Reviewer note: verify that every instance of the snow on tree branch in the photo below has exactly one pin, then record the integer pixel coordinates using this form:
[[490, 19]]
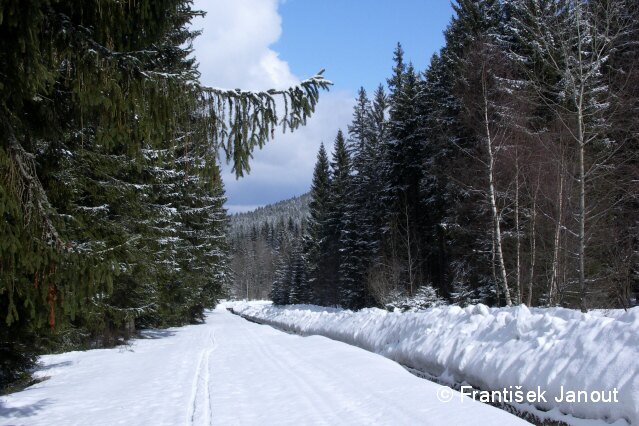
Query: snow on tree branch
[[238, 120]]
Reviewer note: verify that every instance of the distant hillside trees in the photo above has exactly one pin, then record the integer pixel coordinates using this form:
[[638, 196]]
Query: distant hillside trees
[[262, 243]]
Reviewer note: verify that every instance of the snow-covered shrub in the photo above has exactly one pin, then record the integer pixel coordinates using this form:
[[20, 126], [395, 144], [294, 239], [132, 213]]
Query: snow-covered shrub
[[425, 297]]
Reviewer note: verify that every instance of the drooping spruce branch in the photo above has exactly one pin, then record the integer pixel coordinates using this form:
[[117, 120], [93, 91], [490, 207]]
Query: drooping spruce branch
[[21, 178], [86, 88], [239, 121]]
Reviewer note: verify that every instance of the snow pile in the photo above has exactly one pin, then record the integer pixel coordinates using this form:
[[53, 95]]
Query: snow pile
[[557, 350]]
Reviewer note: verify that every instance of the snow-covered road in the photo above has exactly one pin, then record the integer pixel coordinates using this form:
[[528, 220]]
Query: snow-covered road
[[233, 372]]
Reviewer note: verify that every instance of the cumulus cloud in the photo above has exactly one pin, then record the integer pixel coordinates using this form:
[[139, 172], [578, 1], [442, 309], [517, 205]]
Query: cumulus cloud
[[285, 166], [234, 52]]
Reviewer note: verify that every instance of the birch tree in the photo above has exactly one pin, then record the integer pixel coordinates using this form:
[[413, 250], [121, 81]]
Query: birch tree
[[574, 39], [486, 113]]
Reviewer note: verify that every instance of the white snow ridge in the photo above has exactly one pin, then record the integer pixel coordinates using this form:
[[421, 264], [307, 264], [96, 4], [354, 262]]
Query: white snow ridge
[[553, 350]]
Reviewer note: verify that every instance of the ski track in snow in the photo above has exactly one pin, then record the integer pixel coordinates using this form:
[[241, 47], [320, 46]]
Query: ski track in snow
[[200, 413], [233, 372]]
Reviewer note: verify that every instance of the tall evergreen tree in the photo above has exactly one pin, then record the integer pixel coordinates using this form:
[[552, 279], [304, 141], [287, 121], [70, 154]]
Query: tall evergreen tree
[[337, 201], [366, 211], [280, 292], [356, 236], [403, 153], [456, 217], [316, 238], [88, 88], [300, 291]]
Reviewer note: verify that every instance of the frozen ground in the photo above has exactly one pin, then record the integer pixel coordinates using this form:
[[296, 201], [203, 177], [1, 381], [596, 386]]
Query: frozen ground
[[233, 372], [556, 350]]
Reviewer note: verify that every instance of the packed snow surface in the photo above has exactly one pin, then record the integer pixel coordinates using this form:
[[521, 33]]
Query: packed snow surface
[[556, 350], [233, 372]]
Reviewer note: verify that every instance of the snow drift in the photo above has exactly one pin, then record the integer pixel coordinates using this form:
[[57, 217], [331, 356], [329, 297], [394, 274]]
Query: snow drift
[[493, 348]]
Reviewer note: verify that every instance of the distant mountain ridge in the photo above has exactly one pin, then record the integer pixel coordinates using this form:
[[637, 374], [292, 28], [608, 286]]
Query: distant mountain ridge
[[296, 208]]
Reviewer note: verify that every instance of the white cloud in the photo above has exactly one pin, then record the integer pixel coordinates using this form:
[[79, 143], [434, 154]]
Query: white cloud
[[234, 52], [284, 167]]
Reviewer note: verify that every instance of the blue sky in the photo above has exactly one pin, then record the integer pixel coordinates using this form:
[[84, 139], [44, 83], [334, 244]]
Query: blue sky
[[259, 44], [354, 40]]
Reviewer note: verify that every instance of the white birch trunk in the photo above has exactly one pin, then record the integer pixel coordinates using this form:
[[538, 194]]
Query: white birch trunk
[[493, 196]]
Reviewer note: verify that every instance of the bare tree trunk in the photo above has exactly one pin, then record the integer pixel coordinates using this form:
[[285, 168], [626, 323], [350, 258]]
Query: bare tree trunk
[[533, 245], [518, 287], [493, 263], [395, 259], [579, 51], [493, 197], [409, 252], [533, 255], [555, 257], [582, 175], [582, 219]]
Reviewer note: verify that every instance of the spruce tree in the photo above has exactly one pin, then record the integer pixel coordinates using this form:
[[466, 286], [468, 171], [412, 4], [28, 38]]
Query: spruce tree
[[402, 166], [281, 290], [316, 238], [89, 88], [300, 292], [358, 237], [373, 156], [438, 187], [455, 217], [335, 224]]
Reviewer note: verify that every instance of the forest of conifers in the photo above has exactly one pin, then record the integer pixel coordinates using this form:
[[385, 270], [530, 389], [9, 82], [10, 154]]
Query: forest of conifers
[[506, 172], [111, 204]]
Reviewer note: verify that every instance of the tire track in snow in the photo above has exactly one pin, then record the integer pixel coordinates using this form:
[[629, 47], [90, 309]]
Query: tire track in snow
[[305, 376], [325, 404], [340, 396], [319, 415], [200, 412]]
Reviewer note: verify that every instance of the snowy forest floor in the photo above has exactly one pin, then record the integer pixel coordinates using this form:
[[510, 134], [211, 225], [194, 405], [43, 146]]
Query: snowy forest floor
[[231, 371]]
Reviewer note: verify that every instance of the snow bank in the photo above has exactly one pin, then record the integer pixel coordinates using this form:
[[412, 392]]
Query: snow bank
[[493, 349]]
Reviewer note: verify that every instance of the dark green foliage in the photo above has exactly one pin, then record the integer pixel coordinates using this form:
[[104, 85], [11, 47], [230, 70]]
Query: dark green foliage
[[316, 238], [453, 183], [337, 204], [18, 351], [300, 288], [281, 290], [111, 202], [402, 165], [361, 234], [471, 186], [291, 285]]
